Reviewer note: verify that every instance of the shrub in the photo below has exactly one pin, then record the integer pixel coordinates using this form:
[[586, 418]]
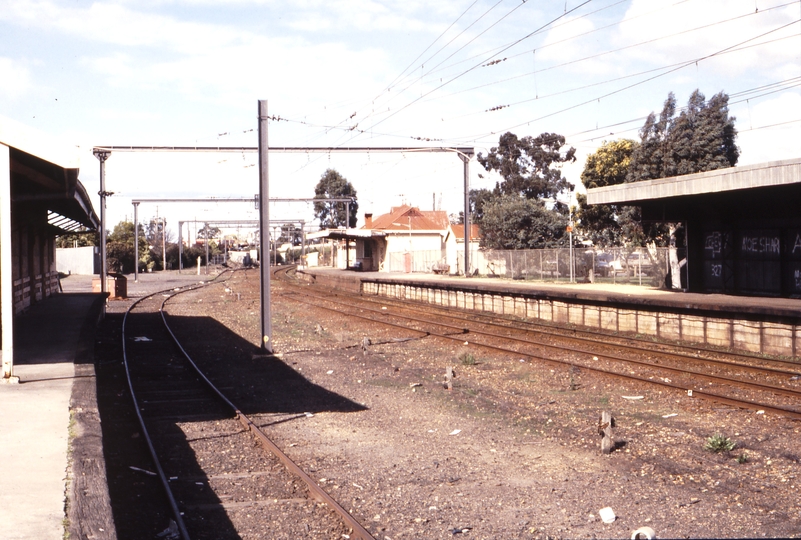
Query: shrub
[[719, 443]]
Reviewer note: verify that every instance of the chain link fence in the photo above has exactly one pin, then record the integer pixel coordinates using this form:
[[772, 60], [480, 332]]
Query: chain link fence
[[642, 266]]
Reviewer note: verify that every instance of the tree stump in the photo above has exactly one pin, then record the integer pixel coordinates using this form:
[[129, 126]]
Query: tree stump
[[605, 425]]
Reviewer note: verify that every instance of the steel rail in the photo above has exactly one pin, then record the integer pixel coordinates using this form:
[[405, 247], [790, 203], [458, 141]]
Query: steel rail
[[547, 329], [178, 518], [521, 325], [716, 378], [691, 392], [316, 491]]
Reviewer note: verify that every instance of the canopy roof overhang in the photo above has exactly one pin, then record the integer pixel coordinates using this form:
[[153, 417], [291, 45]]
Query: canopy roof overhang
[[44, 179], [759, 191]]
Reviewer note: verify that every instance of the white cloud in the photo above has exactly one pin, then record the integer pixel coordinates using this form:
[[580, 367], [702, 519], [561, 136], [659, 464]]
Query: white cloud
[[118, 25], [15, 79], [725, 23], [767, 131]]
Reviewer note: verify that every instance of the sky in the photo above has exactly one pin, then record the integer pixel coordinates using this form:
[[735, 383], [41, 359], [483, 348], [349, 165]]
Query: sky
[[368, 73]]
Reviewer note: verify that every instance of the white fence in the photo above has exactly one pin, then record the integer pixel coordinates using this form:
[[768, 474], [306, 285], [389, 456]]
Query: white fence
[[414, 261]]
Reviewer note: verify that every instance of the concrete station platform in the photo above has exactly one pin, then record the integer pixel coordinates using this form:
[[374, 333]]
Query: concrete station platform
[[54, 400], [600, 292], [757, 324]]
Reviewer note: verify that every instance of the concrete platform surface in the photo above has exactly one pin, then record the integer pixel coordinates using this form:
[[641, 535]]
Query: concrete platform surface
[[35, 415], [50, 339]]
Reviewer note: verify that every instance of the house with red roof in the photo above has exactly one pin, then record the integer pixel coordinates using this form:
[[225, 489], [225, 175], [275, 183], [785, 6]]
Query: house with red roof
[[406, 239]]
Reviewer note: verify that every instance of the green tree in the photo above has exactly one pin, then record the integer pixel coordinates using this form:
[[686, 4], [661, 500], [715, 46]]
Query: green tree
[[514, 222], [120, 248], [701, 138], [477, 199], [333, 185], [208, 232], [529, 166], [608, 166], [514, 214]]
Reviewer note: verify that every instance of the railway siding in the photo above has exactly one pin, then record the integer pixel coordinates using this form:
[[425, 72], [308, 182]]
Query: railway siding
[[763, 325]]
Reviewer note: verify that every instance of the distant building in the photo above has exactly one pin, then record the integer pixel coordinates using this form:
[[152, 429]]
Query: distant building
[[454, 246], [406, 239]]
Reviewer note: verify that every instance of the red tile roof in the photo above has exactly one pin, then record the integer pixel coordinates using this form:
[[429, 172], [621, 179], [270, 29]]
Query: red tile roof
[[458, 231], [400, 218]]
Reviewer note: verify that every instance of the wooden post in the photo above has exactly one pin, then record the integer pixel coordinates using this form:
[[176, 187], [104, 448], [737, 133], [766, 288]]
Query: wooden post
[[605, 425], [449, 375]]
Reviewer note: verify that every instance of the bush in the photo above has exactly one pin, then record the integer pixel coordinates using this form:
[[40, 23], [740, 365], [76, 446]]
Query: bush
[[719, 443]]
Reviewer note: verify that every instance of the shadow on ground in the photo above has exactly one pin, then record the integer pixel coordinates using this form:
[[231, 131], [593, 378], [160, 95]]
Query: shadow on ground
[[253, 382]]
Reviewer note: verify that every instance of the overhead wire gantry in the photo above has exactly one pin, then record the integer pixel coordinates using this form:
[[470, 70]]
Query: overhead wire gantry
[[263, 149]]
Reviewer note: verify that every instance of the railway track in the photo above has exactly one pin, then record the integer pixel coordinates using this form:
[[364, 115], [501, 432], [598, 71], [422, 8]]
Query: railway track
[[222, 475], [735, 379]]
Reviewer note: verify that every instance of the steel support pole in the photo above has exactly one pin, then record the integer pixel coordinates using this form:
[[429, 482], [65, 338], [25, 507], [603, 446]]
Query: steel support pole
[[303, 244], [163, 244], [6, 264], [206, 226], [180, 246], [264, 224], [466, 161], [136, 241], [102, 156]]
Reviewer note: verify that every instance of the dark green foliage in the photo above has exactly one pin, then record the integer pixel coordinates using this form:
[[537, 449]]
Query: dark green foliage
[[120, 247], [701, 138], [608, 166], [514, 222], [526, 165], [514, 215], [478, 198], [208, 232], [189, 256], [333, 185]]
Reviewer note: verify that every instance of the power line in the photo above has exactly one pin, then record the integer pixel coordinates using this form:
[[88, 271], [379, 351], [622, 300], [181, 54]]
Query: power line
[[611, 51], [622, 77], [480, 63], [633, 85]]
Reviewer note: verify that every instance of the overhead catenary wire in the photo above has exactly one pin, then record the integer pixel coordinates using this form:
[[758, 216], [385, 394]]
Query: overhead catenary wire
[[630, 86], [612, 51], [399, 134], [479, 64]]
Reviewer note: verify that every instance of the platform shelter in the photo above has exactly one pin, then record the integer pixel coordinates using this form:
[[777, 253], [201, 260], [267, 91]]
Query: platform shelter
[[40, 198], [742, 224]]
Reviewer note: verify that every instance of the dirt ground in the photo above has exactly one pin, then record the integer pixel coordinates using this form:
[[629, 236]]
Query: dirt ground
[[513, 450]]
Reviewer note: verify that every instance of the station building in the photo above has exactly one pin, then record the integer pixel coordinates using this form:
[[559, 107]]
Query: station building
[[742, 224], [41, 197]]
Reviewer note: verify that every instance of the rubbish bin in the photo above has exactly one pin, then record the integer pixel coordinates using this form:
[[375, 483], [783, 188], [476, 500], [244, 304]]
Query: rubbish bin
[[116, 285]]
